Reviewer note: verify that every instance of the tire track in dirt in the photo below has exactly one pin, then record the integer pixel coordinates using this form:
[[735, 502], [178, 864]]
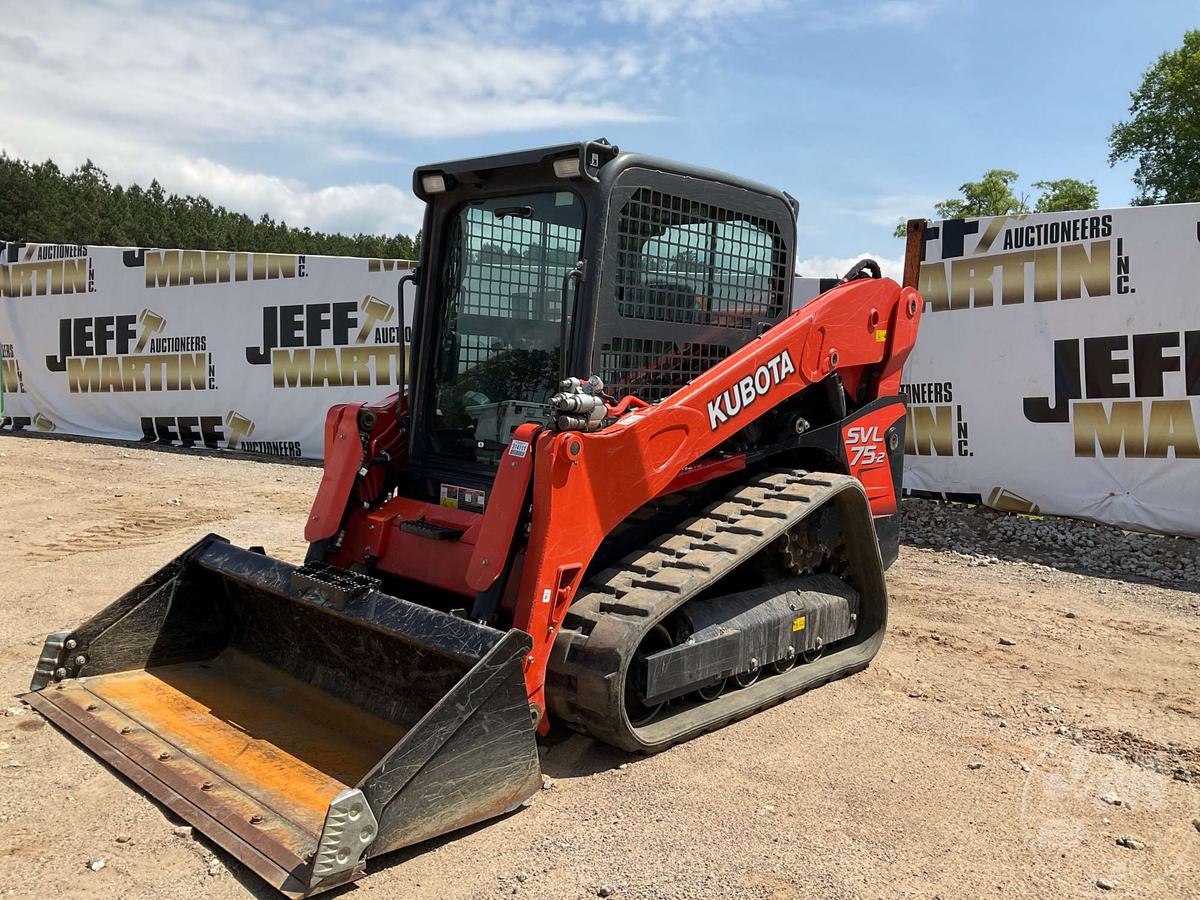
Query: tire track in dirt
[[125, 529], [1180, 762]]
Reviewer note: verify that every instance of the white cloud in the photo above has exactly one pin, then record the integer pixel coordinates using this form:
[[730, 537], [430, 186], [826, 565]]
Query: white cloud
[[906, 12], [837, 266], [902, 13], [371, 208], [215, 74], [891, 208], [660, 12], [815, 14], [180, 92], [160, 91]]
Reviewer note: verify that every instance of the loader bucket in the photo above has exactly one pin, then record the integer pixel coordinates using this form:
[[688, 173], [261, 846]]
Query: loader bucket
[[301, 718]]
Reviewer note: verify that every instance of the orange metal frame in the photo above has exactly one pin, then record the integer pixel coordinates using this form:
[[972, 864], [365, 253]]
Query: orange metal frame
[[581, 486]]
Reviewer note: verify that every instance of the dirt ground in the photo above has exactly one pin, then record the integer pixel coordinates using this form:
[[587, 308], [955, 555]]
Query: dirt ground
[[958, 765]]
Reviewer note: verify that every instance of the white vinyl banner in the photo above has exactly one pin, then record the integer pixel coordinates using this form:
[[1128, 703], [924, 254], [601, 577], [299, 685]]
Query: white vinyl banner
[[1057, 368], [195, 348]]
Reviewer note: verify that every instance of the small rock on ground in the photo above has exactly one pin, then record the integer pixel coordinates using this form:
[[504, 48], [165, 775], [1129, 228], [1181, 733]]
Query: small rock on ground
[[979, 534]]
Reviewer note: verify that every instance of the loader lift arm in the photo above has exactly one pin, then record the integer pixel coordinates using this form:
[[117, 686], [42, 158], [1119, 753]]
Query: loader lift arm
[[594, 481]]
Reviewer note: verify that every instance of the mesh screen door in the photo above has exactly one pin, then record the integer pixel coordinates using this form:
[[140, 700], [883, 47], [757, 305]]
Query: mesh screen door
[[501, 287], [693, 278]]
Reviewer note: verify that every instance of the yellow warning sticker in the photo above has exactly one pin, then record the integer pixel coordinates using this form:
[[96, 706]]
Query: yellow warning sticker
[[880, 335], [798, 623], [455, 497]]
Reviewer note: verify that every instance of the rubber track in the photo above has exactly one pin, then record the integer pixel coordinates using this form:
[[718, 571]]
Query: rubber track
[[617, 607]]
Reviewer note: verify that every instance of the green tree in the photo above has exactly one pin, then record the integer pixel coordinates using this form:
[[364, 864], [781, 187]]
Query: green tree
[[1064, 194], [40, 203], [1163, 132], [992, 195]]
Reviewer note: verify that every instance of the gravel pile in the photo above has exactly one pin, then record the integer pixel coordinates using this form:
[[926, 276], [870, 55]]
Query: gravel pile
[[1070, 544]]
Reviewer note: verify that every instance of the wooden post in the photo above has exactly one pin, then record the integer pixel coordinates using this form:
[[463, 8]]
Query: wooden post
[[913, 251]]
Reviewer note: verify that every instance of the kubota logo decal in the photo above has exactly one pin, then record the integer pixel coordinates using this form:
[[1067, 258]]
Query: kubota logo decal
[[733, 400]]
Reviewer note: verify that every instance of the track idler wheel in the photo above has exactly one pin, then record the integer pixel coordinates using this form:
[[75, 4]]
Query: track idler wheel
[[783, 665], [640, 712], [747, 678], [817, 651], [713, 691]]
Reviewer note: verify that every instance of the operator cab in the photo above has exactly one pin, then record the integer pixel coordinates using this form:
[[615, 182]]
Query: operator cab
[[664, 269]]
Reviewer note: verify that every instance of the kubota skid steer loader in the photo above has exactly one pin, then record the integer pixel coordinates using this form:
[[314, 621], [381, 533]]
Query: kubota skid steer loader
[[696, 531]]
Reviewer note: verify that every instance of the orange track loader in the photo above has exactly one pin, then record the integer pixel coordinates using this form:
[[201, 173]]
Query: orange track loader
[[627, 491]]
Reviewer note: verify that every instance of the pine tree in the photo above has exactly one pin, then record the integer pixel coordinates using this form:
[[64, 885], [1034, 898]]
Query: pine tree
[[41, 204]]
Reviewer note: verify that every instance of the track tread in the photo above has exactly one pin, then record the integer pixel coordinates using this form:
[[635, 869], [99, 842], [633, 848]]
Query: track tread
[[621, 603]]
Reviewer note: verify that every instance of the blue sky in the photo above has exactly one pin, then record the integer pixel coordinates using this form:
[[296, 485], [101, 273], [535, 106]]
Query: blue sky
[[866, 111]]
